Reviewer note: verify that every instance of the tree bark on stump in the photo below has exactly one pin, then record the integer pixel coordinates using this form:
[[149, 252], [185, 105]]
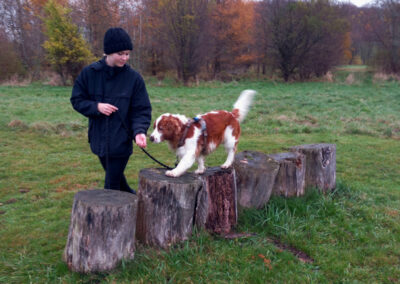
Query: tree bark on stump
[[255, 175], [290, 180], [102, 230], [166, 207], [320, 165], [217, 201]]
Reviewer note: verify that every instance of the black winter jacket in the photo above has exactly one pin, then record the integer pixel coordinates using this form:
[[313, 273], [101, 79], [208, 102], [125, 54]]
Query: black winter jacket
[[122, 87]]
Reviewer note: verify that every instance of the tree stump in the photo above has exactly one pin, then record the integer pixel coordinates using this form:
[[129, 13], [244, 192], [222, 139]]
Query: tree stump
[[320, 165], [102, 230], [290, 180], [166, 207], [217, 201], [255, 177]]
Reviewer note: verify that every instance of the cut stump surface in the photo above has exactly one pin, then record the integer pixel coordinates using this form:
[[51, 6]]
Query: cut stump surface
[[320, 165], [166, 207], [102, 230], [255, 174], [290, 180]]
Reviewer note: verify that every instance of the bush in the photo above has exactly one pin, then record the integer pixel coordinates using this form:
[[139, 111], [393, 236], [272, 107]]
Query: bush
[[11, 65]]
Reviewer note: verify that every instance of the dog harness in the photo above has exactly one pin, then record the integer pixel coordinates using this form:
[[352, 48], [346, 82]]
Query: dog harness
[[203, 131]]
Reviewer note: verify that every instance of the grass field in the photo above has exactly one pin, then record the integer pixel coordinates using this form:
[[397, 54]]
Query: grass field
[[352, 234]]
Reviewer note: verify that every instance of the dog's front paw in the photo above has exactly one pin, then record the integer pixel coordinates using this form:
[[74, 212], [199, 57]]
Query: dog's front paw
[[225, 166], [200, 171], [171, 173]]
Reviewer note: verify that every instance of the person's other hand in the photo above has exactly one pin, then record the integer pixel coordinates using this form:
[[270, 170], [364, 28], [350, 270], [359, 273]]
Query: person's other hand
[[140, 140], [106, 109]]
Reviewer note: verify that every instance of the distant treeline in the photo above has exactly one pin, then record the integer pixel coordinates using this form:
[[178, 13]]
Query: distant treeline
[[200, 39]]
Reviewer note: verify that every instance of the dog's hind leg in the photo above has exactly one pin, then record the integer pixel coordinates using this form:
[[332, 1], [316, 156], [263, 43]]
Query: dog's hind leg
[[229, 159], [230, 143], [201, 168]]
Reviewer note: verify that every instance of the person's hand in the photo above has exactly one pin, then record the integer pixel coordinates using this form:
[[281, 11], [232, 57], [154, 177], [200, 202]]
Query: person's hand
[[106, 109], [140, 140]]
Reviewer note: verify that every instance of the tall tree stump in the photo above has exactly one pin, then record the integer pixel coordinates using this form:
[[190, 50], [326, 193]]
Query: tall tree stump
[[320, 165], [255, 175], [290, 180], [102, 230], [166, 207], [217, 201]]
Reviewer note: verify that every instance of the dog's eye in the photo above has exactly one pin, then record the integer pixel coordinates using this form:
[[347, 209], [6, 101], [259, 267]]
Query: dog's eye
[[160, 128]]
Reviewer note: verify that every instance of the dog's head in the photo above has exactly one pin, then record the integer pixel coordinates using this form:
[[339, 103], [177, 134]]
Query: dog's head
[[167, 127]]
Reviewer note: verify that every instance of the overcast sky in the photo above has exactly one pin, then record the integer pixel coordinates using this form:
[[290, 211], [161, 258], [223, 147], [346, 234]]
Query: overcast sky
[[359, 3]]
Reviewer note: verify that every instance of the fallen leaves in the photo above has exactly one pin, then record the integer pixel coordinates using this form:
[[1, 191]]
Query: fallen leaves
[[267, 261]]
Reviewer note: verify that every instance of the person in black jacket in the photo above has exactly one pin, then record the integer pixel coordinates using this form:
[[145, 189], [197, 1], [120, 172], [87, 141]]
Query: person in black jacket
[[114, 98]]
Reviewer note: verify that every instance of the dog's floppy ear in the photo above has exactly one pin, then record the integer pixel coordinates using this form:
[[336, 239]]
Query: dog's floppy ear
[[177, 124]]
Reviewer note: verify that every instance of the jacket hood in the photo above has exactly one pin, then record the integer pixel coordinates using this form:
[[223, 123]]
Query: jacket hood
[[110, 71]]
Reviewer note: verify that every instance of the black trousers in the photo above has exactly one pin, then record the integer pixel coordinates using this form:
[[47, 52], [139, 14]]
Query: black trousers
[[115, 178]]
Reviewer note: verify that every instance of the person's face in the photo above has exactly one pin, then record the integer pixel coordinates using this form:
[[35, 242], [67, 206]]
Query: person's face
[[118, 58]]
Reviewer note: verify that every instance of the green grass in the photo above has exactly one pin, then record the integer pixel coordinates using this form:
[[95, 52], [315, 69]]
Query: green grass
[[353, 233]]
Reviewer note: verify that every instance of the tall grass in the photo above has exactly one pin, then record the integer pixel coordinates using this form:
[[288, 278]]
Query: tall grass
[[352, 234]]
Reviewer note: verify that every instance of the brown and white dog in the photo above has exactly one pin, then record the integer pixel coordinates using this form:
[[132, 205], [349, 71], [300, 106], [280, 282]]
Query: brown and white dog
[[221, 127]]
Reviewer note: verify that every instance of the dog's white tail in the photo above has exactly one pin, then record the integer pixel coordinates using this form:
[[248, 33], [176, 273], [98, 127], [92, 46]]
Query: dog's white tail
[[243, 103]]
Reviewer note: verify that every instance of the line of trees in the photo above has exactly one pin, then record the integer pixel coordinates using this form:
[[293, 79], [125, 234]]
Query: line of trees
[[208, 39]]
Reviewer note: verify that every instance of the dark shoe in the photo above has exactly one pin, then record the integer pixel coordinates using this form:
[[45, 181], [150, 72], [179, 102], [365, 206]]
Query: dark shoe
[[130, 190]]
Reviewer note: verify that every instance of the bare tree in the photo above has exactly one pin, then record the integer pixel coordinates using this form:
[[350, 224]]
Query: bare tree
[[306, 37], [20, 20], [9, 60], [230, 48], [182, 27], [94, 17], [149, 37], [382, 31], [262, 36], [131, 19]]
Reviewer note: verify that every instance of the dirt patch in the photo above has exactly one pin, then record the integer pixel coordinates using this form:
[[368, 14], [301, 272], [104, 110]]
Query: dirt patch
[[307, 121], [10, 201], [233, 235], [301, 255], [16, 81], [24, 190], [43, 127], [392, 212], [383, 77], [17, 124]]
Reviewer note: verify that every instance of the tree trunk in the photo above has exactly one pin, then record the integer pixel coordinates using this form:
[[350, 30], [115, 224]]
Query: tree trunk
[[166, 207], [290, 180], [102, 230], [320, 165], [255, 173], [216, 203]]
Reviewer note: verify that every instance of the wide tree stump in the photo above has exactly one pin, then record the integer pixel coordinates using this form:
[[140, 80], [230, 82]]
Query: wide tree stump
[[102, 230], [166, 207], [290, 180], [320, 165], [217, 201], [255, 177]]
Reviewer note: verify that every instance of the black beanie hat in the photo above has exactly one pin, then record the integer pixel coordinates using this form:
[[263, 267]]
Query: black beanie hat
[[115, 40]]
